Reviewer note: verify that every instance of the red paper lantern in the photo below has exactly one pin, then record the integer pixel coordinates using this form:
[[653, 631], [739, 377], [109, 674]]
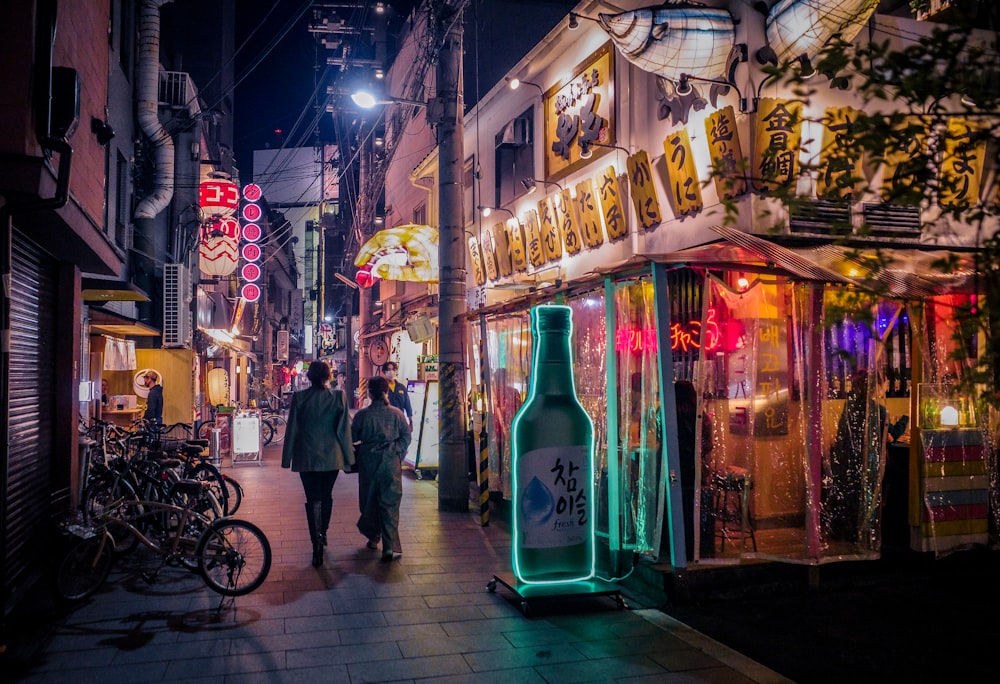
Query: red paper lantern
[[218, 197]]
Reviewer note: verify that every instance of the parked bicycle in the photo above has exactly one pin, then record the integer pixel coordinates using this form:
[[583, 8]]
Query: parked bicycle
[[233, 557]]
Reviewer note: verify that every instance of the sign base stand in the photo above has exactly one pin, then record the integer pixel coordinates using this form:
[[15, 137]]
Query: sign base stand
[[583, 588]]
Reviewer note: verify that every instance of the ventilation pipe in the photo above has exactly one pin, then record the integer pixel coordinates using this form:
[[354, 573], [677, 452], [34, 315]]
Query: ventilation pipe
[[149, 120]]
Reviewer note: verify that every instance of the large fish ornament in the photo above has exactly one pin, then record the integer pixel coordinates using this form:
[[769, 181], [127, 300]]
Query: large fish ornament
[[672, 40], [803, 27]]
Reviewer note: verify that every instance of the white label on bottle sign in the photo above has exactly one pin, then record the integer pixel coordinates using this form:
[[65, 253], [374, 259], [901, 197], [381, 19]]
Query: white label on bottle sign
[[553, 488]]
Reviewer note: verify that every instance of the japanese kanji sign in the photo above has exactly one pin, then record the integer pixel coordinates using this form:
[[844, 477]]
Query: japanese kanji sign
[[549, 230], [589, 213], [476, 261], [903, 165], [566, 217], [533, 236], [518, 247], [840, 160], [501, 245], [779, 132], [726, 153], [682, 177], [640, 179], [962, 165], [612, 207]]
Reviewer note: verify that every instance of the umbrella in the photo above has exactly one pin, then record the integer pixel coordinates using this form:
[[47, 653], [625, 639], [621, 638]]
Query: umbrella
[[408, 252]]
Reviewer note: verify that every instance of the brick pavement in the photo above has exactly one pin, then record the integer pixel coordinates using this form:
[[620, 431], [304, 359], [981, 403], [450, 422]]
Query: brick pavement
[[424, 617]]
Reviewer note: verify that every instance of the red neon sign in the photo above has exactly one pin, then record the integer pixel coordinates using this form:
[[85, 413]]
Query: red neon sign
[[683, 336]]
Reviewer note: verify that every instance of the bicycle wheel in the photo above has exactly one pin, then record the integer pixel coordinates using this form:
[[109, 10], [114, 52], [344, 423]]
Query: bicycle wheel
[[266, 432], [106, 497], [234, 494], [205, 429], [84, 568], [279, 425], [234, 557], [206, 472]]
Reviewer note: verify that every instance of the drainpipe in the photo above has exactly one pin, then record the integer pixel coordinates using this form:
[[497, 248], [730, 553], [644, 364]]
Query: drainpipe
[[149, 121]]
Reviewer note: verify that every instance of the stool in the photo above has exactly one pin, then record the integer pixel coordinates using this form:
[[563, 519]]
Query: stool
[[732, 507]]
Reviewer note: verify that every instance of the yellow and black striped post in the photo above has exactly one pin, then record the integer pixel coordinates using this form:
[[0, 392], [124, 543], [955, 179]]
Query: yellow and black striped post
[[484, 444]]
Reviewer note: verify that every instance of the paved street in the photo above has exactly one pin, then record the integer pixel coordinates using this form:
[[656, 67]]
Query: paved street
[[426, 616]]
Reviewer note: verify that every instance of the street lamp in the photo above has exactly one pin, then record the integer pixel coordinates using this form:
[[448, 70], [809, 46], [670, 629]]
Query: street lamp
[[516, 83], [366, 100], [486, 211], [588, 153]]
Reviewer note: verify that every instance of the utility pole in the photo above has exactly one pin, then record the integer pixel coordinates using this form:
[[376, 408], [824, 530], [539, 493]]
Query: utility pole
[[453, 480]]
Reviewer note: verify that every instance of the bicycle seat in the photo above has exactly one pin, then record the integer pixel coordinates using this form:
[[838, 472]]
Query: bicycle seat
[[190, 449], [200, 443], [190, 487]]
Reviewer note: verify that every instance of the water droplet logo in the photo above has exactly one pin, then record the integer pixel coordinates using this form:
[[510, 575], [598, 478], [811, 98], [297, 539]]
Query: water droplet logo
[[537, 503]]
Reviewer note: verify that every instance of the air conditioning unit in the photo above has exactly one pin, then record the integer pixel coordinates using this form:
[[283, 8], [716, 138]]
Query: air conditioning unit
[[176, 311]]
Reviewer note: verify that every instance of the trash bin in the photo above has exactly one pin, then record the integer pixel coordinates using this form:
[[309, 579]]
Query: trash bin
[[214, 441]]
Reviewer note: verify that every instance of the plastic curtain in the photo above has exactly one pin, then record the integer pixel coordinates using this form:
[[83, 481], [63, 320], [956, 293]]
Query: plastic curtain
[[508, 349], [637, 505]]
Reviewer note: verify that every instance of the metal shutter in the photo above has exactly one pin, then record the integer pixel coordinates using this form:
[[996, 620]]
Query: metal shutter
[[28, 477]]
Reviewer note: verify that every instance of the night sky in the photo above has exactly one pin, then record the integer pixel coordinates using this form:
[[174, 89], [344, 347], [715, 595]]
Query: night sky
[[275, 70]]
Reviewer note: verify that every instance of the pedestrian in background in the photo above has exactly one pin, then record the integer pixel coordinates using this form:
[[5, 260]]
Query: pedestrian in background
[[382, 434], [154, 400], [317, 447], [398, 396]]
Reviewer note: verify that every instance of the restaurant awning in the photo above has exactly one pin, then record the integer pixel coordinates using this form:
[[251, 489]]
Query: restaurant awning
[[105, 322]]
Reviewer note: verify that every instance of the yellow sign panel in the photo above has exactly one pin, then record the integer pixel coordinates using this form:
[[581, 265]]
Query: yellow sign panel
[[518, 248], [566, 217], [536, 253], [612, 207], [589, 214], [779, 133], [501, 245], [548, 228], [640, 180], [961, 165], [839, 159], [489, 255], [901, 178], [476, 259], [685, 190], [579, 112], [726, 151]]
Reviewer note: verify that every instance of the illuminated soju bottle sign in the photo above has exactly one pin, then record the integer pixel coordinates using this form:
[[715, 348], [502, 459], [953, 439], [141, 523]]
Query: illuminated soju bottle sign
[[553, 468]]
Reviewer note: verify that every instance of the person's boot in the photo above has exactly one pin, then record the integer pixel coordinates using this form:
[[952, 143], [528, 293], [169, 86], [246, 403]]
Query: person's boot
[[326, 510], [313, 517]]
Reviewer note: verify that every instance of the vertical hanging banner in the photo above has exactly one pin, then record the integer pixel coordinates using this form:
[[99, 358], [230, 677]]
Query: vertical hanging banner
[[961, 165], [549, 230], [476, 261], [566, 218], [489, 255], [840, 171], [905, 162], [589, 214], [533, 236], [501, 244], [779, 134], [518, 249], [644, 200], [612, 207], [685, 190], [726, 152]]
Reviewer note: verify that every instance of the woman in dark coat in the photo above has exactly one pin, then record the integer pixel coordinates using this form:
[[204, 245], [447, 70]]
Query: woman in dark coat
[[318, 446], [382, 434]]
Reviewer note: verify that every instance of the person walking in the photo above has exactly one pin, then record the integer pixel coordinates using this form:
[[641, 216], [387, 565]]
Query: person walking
[[317, 447], [398, 396], [382, 435]]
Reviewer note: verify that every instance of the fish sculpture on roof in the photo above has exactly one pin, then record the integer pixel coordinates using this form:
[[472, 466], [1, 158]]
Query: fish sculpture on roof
[[672, 40], [803, 27]]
